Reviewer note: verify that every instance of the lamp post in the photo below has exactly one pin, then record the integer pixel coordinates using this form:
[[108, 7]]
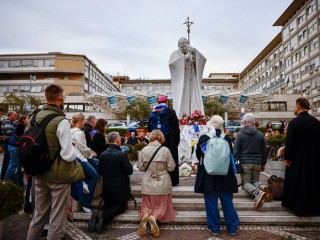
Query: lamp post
[[32, 78]]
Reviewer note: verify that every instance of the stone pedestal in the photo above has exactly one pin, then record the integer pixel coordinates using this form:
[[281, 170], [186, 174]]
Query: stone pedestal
[[276, 168]]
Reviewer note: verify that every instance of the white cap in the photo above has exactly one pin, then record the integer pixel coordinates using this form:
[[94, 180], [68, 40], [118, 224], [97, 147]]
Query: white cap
[[216, 121]]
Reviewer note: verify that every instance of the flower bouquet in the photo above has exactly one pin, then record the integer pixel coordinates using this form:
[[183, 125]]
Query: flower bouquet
[[196, 118]]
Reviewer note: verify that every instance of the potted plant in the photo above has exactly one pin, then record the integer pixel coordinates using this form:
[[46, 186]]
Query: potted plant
[[275, 163], [11, 199]]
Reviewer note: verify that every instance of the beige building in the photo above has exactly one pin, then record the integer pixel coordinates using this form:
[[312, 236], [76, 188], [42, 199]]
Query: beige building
[[78, 75]]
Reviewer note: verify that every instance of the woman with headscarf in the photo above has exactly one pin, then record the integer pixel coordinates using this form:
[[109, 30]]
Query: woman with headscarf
[[214, 187], [156, 186]]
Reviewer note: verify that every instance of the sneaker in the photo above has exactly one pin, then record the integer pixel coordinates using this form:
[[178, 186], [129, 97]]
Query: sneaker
[[234, 233], [214, 233], [86, 210], [85, 188], [154, 227], [268, 192], [259, 199]]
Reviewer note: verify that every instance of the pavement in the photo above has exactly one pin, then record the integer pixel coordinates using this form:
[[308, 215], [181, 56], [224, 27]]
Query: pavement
[[17, 228]]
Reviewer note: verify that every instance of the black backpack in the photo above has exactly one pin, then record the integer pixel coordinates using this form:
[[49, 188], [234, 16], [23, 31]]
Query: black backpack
[[33, 149]]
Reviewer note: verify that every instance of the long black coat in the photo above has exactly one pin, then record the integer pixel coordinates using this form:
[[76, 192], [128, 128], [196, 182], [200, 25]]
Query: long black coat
[[209, 183], [172, 142], [115, 168], [302, 178]]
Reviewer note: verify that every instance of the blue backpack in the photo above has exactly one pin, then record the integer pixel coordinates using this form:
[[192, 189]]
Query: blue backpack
[[158, 120], [216, 159]]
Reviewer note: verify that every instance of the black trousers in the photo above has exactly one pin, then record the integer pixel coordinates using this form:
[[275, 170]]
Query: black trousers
[[113, 209]]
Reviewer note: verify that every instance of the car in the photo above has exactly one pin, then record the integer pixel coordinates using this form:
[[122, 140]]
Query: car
[[275, 125], [232, 126], [117, 125]]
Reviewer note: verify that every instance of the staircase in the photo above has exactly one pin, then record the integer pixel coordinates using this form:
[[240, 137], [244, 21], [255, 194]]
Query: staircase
[[190, 209]]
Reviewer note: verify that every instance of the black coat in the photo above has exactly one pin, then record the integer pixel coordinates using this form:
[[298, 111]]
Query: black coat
[[115, 169], [172, 141], [99, 143], [209, 183], [302, 178], [87, 129]]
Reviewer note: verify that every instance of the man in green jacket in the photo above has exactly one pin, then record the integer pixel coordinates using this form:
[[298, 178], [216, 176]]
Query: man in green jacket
[[52, 188]]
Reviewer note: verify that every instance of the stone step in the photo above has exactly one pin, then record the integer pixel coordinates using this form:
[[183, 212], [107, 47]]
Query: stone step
[[197, 204], [185, 192], [199, 217]]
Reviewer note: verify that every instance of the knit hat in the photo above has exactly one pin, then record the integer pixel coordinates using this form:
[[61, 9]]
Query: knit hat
[[248, 117], [216, 121], [162, 99]]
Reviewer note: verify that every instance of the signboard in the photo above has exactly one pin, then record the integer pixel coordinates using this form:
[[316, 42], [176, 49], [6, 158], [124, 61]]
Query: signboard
[[223, 99], [112, 101], [131, 99], [243, 99], [152, 100]]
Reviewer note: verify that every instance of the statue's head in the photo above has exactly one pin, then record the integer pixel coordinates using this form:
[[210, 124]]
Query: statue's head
[[183, 45]]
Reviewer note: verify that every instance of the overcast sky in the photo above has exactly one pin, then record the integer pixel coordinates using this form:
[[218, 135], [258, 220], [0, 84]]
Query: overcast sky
[[136, 37]]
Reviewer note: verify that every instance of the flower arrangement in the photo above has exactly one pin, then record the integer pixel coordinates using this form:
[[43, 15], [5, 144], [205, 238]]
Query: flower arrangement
[[196, 117], [275, 143], [185, 170]]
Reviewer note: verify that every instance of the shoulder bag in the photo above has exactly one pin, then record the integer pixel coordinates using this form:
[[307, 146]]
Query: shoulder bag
[[152, 158]]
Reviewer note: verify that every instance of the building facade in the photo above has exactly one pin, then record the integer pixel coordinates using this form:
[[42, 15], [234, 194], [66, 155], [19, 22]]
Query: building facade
[[31, 73], [290, 63]]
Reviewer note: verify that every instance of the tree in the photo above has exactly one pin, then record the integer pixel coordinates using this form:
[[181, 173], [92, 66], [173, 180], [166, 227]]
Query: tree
[[213, 106], [138, 109], [22, 104]]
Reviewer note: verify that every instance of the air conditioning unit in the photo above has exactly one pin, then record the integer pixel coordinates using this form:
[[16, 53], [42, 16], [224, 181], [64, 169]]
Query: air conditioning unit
[[314, 110], [311, 71], [292, 48], [317, 69], [307, 92], [318, 88]]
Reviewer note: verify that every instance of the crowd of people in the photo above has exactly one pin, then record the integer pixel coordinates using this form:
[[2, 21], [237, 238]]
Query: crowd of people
[[86, 141]]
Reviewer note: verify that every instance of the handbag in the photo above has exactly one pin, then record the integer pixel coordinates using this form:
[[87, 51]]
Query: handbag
[[152, 158], [275, 185], [237, 168]]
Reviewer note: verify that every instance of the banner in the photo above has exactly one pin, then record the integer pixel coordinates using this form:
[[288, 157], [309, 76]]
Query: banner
[[224, 99], [243, 99], [112, 101], [152, 100], [131, 99]]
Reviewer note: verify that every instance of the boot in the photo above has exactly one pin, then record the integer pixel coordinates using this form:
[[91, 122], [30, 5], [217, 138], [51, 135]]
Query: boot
[[154, 227], [143, 225]]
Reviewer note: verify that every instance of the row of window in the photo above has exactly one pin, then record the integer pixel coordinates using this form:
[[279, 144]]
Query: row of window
[[21, 89], [27, 63]]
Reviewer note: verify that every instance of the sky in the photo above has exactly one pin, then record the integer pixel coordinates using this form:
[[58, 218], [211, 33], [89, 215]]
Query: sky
[[136, 37]]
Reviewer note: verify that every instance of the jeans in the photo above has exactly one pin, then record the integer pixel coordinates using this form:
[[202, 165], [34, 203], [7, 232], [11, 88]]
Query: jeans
[[90, 169], [250, 178], [229, 212], [6, 159], [14, 168]]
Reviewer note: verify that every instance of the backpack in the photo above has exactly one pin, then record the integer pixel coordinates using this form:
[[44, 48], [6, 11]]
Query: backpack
[[33, 149], [217, 156], [158, 120]]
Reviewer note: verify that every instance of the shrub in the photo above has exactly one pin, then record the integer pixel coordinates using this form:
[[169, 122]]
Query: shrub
[[11, 198], [135, 150]]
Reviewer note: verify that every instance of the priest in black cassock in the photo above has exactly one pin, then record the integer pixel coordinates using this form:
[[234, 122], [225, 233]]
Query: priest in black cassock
[[302, 158]]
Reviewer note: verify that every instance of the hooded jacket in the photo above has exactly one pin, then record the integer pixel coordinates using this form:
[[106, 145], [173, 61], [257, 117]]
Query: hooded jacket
[[250, 146]]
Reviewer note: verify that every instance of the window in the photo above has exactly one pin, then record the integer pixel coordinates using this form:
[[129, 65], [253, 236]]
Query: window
[[302, 34], [277, 106], [38, 63], [313, 25], [49, 62], [26, 63], [314, 44], [303, 51], [288, 62], [15, 63], [311, 8], [301, 18], [295, 57], [4, 64]]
